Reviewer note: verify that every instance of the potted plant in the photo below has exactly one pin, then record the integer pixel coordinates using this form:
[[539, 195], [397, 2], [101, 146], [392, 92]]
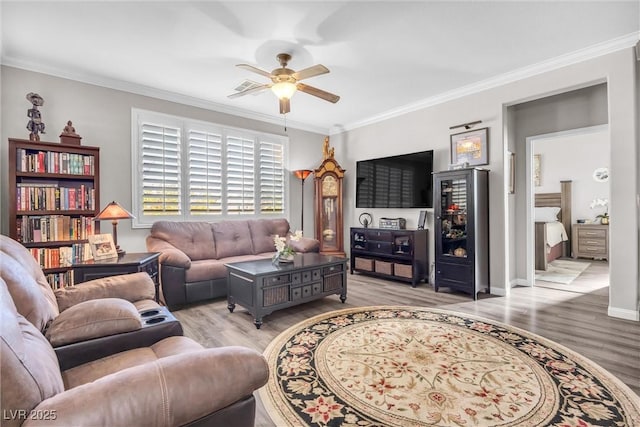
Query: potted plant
[[603, 217]]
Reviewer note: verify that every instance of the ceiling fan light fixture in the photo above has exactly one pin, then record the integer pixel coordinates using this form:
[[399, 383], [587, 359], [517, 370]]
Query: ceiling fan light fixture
[[284, 90]]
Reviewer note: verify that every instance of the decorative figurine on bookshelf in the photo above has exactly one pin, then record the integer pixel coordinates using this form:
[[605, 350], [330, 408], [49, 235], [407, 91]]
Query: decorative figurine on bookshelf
[[69, 135], [35, 124]]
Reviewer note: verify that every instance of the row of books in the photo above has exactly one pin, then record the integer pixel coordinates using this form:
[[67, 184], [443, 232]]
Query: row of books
[[64, 256], [53, 228], [33, 197], [54, 162], [60, 280]]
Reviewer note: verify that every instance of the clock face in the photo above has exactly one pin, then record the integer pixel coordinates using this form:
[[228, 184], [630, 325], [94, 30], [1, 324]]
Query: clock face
[[329, 186], [601, 175]]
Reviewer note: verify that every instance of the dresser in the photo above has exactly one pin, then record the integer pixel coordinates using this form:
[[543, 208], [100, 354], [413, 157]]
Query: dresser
[[590, 241]]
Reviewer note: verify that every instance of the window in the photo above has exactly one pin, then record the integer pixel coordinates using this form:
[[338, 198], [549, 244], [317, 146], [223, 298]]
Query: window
[[188, 170]]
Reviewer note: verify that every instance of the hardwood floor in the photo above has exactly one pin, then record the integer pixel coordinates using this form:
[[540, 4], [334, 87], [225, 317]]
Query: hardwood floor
[[595, 277], [577, 321]]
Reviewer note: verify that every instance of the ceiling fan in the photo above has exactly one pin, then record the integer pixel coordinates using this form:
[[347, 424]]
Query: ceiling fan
[[285, 82]]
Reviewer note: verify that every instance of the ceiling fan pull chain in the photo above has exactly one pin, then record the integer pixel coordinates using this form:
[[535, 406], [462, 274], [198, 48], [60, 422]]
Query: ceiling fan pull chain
[[285, 122]]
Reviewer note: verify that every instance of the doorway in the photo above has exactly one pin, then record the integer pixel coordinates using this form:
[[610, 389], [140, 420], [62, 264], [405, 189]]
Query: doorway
[[580, 156]]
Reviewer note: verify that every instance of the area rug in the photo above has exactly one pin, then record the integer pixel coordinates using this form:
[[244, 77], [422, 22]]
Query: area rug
[[411, 366], [562, 271]]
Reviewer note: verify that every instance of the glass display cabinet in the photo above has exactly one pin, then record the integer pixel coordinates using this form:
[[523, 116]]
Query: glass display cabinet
[[462, 230], [329, 220]]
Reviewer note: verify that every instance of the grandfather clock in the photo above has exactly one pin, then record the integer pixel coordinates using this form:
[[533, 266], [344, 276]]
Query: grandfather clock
[[329, 220]]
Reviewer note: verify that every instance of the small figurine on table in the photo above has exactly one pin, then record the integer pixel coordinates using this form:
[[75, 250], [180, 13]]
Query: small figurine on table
[[35, 124]]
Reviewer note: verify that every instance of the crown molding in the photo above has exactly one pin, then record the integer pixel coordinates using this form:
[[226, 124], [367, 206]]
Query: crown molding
[[591, 52], [151, 92]]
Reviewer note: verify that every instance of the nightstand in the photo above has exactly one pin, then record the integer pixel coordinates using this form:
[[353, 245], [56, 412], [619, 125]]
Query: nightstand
[[125, 264], [590, 241]]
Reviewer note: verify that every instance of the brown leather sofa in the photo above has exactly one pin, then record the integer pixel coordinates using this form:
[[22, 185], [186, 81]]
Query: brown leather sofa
[[90, 320], [174, 382], [193, 254]]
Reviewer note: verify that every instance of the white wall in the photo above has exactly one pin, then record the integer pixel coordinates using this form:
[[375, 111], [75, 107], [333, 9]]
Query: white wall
[[429, 129], [103, 118], [574, 158]]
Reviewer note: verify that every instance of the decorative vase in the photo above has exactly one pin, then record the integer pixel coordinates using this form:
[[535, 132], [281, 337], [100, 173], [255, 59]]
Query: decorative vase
[[604, 220], [286, 258]]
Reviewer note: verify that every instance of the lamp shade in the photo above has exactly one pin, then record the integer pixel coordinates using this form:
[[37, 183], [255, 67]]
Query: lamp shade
[[302, 173], [114, 211], [284, 90]]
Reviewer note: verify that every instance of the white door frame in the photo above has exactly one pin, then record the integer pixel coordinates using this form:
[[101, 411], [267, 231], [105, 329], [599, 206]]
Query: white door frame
[[530, 280]]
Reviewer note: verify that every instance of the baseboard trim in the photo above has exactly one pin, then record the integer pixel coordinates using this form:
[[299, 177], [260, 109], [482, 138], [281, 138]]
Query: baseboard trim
[[623, 313], [501, 292], [520, 282]]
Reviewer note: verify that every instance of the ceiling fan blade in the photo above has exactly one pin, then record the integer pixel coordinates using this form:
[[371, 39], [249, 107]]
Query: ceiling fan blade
[[316, 70], [318, 92], [254, 69], [285, 106], [252, 90]]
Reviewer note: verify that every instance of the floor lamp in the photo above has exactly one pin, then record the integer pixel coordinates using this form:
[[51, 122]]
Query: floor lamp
[[114, 212], [302, 174]]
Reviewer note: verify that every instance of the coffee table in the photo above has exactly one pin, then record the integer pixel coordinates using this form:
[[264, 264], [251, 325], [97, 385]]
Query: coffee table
[[262, 286]]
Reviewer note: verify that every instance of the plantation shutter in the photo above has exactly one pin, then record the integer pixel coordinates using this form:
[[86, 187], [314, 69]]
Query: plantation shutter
[[161, 182], [205, 173], [271, 177], [241, 173]]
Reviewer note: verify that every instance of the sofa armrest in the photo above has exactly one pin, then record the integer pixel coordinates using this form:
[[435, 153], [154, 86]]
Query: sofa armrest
[[174, 390], [305, 244], [131, 287], [93, 319], [169, 254]]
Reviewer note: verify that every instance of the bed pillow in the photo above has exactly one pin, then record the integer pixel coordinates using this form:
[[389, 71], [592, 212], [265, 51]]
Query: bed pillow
[[547, 214]]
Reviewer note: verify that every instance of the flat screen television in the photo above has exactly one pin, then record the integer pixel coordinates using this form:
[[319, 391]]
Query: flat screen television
[[403, 181]]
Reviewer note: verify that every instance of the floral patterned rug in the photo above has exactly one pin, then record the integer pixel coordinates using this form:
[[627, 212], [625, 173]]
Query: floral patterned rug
[[410, 366]]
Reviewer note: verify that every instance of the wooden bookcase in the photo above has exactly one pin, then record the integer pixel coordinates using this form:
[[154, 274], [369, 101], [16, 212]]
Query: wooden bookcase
[[54, 194]]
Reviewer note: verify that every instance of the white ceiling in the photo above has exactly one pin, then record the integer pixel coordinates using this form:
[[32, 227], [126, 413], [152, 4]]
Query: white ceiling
[[384, 56]]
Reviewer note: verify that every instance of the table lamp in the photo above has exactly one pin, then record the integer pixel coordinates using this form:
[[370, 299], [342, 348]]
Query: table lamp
[[302, 174], [114, 212]]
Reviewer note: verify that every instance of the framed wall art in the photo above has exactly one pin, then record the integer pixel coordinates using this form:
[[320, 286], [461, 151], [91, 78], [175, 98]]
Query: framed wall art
[[470, 147], [102, 247]]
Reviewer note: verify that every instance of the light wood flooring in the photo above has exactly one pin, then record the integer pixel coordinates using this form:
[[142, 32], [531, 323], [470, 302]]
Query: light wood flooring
[[595, 277], [575, 320]]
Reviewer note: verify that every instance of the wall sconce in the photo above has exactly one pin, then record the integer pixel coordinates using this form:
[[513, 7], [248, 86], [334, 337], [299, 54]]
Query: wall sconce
[[114, 212], [302, 174]]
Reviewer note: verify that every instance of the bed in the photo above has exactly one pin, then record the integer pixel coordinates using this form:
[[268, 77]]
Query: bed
[[552, 238]]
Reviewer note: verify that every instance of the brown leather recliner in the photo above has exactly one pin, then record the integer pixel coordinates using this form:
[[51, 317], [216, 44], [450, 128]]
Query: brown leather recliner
[[174, 382], [88, 321]]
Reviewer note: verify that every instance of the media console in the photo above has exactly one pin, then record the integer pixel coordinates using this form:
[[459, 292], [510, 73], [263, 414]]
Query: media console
[[391, 254]]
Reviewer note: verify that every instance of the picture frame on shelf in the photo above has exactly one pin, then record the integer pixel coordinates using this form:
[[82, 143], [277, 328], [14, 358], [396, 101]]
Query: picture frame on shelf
[[422, 219], [470, 147], [102, 247]]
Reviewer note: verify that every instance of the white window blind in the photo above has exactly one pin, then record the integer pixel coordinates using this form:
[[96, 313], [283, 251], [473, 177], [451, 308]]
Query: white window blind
[[241, 172], [205, 173], [271, 177], [190, 170], [161, 181]]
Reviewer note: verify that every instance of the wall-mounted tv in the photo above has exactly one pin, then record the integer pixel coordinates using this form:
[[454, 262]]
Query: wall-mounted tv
[[403, 181]]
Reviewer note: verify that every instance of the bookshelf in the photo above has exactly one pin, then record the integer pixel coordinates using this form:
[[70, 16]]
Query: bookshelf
[[54, 194]]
